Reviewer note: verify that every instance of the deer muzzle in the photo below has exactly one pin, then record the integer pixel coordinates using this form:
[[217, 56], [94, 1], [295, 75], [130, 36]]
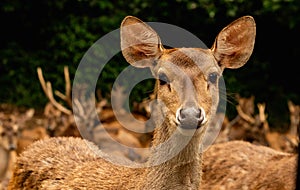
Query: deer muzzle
[[190, 117]]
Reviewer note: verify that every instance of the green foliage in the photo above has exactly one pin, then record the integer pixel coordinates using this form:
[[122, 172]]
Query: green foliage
[[52, 34]]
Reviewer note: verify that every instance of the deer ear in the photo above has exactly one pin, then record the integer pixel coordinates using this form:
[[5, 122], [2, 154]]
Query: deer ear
[[234, 44], [140, 44]]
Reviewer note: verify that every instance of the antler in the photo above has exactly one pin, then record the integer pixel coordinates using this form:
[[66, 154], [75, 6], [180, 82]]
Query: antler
[[263, 116], [261, 110], [47, 88], [243, 115], [294, 117], [67, 96]]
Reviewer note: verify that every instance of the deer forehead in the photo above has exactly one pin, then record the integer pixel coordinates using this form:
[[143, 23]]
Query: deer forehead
[[194, 62], [8, 129]]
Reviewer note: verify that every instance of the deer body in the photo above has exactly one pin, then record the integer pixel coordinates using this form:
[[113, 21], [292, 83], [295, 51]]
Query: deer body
[[8, 154], [187, 87], [4, 157], [242, 165], [8, 144]]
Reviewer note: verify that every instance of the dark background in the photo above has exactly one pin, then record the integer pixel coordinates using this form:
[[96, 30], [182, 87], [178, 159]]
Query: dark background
[[52, 34]]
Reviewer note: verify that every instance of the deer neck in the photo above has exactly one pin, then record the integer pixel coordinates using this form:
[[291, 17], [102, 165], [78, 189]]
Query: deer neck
[[175, 162], [4, 157]]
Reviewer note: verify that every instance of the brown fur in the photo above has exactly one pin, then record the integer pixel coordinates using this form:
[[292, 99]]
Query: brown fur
[[175, 162], [8, 144], [28, 136], [239, 165]]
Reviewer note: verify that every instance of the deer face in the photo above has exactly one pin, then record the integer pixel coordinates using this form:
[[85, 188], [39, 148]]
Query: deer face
[[187, 82], [187, 85], [8, 137]]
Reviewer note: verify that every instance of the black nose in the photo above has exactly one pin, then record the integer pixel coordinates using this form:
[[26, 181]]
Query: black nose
[[190, 118], [12, 147]]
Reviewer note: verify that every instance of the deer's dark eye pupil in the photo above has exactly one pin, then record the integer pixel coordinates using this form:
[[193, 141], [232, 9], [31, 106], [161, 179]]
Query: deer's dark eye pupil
[[163, 79], [213, 77]]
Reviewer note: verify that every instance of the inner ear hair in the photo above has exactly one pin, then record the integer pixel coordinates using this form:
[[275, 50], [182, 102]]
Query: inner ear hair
[[234, 44], [140, 44]]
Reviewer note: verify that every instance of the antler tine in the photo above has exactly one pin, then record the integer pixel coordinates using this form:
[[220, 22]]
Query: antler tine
[[54, 102], [68, 85], [67, 97], [47, 88], [244, 115], [262, 115], [42, 81]]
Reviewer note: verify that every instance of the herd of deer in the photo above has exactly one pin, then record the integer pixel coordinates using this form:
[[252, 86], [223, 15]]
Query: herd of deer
[[187, 84]]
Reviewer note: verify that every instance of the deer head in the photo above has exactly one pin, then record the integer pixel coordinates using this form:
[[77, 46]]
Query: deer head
[[187, 78], [8, 136]]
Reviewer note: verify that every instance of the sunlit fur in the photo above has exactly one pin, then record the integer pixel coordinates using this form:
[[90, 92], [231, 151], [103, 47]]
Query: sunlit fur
[[176, 160]]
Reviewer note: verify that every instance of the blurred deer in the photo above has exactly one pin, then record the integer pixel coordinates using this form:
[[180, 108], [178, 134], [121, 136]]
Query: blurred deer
[[239, 165], [286, 141], [247, 125], [8, 145], [294, 121], [60, 118]]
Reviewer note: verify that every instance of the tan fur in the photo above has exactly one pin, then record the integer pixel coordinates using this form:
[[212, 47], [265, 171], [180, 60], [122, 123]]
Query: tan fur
[[28, 136], [190, 98], [239, 165], [8, 144]]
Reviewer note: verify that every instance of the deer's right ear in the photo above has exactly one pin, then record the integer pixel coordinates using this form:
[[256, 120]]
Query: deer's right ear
[[140, 44]]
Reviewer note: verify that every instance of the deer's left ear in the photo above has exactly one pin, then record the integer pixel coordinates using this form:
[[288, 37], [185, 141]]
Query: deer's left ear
[[234, 44]]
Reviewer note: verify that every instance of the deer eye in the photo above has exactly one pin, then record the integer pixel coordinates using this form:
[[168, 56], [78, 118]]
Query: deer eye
[[213, 77], [163, 79]]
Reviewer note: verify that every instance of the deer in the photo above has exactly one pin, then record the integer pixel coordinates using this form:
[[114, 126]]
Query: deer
[[60, 118], [293, 133], [282, 141], [187, 87], [8, 145], [243, 165]]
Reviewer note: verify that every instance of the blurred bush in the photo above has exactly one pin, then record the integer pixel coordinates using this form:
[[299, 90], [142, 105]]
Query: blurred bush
[[52, 34]]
